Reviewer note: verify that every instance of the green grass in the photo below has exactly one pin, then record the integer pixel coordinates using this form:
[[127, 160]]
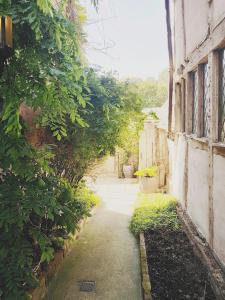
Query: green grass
[[154, 211]]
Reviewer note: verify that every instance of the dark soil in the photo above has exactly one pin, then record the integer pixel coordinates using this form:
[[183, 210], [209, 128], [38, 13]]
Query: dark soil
[[175, 271]]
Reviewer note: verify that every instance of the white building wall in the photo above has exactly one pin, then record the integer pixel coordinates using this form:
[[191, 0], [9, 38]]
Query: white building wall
[[197, 195], [198, 28], [218, 12], [177, 151], [219, 206], [196, 22]]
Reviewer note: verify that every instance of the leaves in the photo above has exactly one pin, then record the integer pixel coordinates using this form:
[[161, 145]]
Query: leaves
[[36, 206], [45, 6], [79, 112]]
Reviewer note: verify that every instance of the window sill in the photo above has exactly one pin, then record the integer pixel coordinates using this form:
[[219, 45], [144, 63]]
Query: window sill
[[193, 137], [219, 145], [219, 148], [198, 143]]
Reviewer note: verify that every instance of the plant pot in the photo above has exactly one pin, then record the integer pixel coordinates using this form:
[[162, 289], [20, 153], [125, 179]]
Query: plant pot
[[128, 171], [149, 184]]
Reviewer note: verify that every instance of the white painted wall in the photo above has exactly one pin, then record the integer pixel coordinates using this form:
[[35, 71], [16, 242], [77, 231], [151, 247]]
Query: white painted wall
[[218, 11], [196, 14], [219, 206], [179, 34], [197, 192], [196, 22], [177, 150], [197, 197], [202, 17]]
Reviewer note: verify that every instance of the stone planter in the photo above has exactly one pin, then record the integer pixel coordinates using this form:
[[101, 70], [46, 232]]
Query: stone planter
[[148, 184], [128, 171]]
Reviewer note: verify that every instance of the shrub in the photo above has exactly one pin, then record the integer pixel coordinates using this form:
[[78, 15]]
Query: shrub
[[85, 194], [154, 211], [36, 217], [147, 172]]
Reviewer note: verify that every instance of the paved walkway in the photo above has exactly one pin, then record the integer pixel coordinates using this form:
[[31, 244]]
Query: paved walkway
[[106, 251]]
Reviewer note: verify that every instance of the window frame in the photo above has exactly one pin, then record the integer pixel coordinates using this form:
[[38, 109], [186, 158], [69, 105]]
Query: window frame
[[221, 77], [195, 103], [206, 101]]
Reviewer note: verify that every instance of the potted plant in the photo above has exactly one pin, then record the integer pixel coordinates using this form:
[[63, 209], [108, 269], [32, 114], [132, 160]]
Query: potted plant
[[148, 179], [128, 168]]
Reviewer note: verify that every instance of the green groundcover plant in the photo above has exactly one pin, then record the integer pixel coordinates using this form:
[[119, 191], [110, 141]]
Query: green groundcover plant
[[153, 211]]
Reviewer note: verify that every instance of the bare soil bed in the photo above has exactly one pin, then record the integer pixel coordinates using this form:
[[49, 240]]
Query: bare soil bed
[[175, 271]]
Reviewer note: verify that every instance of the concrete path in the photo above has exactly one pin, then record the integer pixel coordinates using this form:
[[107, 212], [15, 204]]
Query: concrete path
[[106, 251]]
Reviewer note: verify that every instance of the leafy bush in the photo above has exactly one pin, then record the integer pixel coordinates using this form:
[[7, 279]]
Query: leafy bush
[[85, 194], [154, 115], [35, 216], [154, 211], [78, 116], [147, 172]]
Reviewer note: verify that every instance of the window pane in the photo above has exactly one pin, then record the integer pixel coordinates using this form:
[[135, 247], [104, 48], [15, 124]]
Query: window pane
[[206, 102], [195, 103], [183, 104], [222, 98]]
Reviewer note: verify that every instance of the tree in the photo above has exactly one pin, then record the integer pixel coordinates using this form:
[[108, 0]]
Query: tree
[[151, 92]]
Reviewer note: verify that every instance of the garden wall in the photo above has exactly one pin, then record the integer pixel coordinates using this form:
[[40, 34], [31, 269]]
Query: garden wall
[[153, 150]]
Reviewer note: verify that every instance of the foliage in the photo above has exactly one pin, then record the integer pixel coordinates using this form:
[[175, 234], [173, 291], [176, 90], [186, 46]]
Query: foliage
[[35, 214], [152, 92], [133, 124], [147, 172], [108, 116], [154, 211], [84, 194], [78, 114], [154, 116]]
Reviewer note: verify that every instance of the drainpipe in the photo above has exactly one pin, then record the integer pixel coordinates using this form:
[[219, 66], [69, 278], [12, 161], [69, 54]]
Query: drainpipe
[[170, 52]]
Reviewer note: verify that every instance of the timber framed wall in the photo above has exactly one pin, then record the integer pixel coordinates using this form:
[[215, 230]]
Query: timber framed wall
[[196, 147]]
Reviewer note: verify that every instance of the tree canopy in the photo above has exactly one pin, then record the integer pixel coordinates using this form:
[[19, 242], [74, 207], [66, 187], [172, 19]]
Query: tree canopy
[[152, 92]]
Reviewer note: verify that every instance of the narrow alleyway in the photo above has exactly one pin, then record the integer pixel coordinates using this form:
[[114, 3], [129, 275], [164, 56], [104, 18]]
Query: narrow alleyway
[[106, 252]]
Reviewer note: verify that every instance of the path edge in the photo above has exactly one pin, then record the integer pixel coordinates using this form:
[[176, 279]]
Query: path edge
[[45, 278], [146, 284]]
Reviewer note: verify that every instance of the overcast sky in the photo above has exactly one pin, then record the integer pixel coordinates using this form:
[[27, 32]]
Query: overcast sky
[[127, 36]]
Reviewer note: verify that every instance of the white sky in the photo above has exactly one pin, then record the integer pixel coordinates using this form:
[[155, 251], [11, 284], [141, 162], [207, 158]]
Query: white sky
[[127, 36]]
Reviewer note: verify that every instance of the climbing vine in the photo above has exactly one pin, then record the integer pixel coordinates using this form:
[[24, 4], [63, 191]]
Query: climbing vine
[[56, 117]]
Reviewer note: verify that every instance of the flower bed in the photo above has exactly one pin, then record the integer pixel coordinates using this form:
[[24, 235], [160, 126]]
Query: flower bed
[[175, 271]]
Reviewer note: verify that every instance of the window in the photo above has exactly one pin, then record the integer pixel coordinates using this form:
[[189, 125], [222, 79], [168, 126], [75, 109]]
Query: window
[[195, 103], [183, 104], [221, 110], [206, 101]]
